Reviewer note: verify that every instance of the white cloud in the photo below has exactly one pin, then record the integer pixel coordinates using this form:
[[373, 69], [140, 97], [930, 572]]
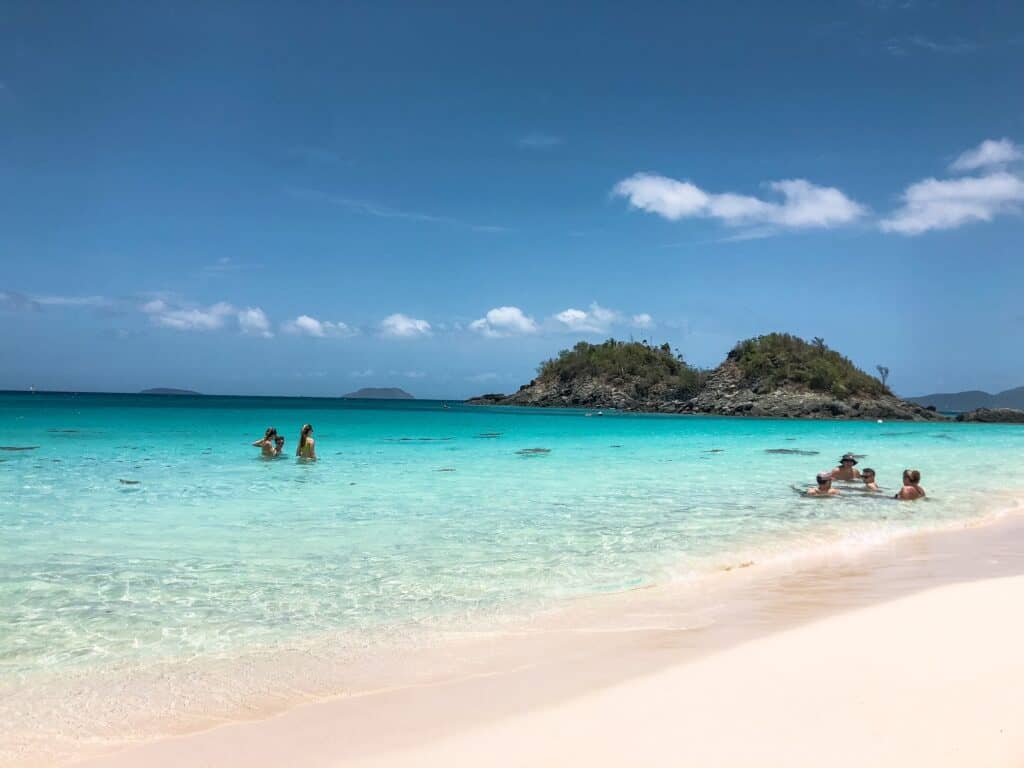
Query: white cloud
[[253, 321], [304, 325], [643, 320], [504, 321], [414, 374], [364, 374], [949, 203], [197, 319], [72, 301], [404, 327], [804, 205], [989, 153], [597, 319]]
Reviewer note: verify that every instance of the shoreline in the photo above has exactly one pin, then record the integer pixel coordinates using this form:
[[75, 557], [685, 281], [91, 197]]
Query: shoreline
[[592, 644]]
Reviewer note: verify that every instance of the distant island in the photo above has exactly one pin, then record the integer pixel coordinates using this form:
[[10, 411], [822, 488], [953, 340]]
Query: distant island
[[380, 393], [972, 400], [776, 375], [168, 391]]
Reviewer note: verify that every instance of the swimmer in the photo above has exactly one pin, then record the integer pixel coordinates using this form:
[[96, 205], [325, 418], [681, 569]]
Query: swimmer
[[911, 489], [266, 443], [278, 445], [307, 447], [824, 486], [845, 470], [868, 476]]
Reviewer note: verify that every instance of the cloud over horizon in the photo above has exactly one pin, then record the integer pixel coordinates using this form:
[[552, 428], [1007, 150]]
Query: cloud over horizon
[[803, 206], [304, 325], [504, 321], [399, 326]]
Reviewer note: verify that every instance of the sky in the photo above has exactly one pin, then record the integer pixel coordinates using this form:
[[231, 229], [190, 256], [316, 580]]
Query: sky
[[307, 198]]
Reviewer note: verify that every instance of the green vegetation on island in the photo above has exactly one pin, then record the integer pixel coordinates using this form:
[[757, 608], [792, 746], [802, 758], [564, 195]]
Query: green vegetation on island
[[649, 369], [780, 359]]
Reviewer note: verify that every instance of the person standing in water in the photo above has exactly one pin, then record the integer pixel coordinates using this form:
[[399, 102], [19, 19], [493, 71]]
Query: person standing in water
[[266, 443], [307, 446], [845, 470], [824, 486], [868, 476], [911, 489], [278, 445]]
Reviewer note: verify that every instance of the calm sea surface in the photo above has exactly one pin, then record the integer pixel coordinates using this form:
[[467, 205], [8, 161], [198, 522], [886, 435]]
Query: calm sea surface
[[145, 529]]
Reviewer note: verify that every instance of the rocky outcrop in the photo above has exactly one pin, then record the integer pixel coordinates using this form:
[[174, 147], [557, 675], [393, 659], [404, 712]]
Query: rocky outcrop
[[621, 393], [728, 393], [993, 416]]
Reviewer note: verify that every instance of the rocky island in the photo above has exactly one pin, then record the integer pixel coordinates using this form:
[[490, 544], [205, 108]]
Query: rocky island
[[379, 393], [776, 375], [993, 416]]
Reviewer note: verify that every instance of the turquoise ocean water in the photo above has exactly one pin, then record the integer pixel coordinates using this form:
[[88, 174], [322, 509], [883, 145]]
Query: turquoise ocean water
[[143, 529]]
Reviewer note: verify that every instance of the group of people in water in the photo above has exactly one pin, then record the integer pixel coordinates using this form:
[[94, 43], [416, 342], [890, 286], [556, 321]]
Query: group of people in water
[[271, 445], [847, 471]]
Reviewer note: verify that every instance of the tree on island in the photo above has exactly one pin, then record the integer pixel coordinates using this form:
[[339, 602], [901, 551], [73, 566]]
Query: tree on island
[[883, 372]]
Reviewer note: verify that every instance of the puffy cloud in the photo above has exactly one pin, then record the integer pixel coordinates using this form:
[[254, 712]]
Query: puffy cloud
[[643, 320], [597, 319], [989, 153], [253, 321], [949, 203], [804, 205], [504, 321], [196, 319], [401, 326], [304, 325]]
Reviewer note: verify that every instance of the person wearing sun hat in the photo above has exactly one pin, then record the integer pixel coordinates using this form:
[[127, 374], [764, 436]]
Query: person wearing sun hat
[[846, 469]]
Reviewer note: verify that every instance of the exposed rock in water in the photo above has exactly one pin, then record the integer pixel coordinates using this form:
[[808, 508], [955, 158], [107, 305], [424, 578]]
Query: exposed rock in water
[[791, 452], [533, 451], [993, 416], [18, 447]]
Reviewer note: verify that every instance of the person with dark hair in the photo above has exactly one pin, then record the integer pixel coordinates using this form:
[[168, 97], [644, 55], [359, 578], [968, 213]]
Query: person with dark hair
[[266, 443], [278, 445], [911, 489], [824, 486], [845, 470], [868, 476], [307, 447]]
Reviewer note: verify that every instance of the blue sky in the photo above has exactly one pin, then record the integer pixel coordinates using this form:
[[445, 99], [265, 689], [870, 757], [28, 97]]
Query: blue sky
[[307, 198]]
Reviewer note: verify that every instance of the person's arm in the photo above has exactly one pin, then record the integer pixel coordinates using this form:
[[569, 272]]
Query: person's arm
[[260, 443], [312, 447]]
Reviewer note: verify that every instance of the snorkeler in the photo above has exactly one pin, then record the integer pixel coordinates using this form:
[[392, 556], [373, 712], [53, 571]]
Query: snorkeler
[[868, 476], [307, 447], [911, 489], [266, 443], [845, 470], [824, 486]]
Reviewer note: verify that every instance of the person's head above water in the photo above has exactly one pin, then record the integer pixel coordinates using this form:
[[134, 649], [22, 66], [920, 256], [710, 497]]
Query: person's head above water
[[278, 441], [824, 479], [911, 477], [848, 460], [868, 475], [270, 434]]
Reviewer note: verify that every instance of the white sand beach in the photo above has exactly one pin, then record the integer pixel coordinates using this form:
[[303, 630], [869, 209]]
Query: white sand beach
[[931, 675]]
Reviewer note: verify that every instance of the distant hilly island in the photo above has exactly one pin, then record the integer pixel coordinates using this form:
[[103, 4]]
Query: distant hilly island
[[957, 402], [168, 391], [379, 393]]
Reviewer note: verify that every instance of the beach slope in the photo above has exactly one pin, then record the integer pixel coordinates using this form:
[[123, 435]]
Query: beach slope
[[936, 678]]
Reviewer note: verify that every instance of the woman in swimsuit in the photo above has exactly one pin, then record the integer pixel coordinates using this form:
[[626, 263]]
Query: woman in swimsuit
[[307, 446], [911, 489], [266, 443]]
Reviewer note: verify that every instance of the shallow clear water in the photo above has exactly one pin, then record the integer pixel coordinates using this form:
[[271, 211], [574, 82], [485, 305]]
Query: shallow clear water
[[413, 515]]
